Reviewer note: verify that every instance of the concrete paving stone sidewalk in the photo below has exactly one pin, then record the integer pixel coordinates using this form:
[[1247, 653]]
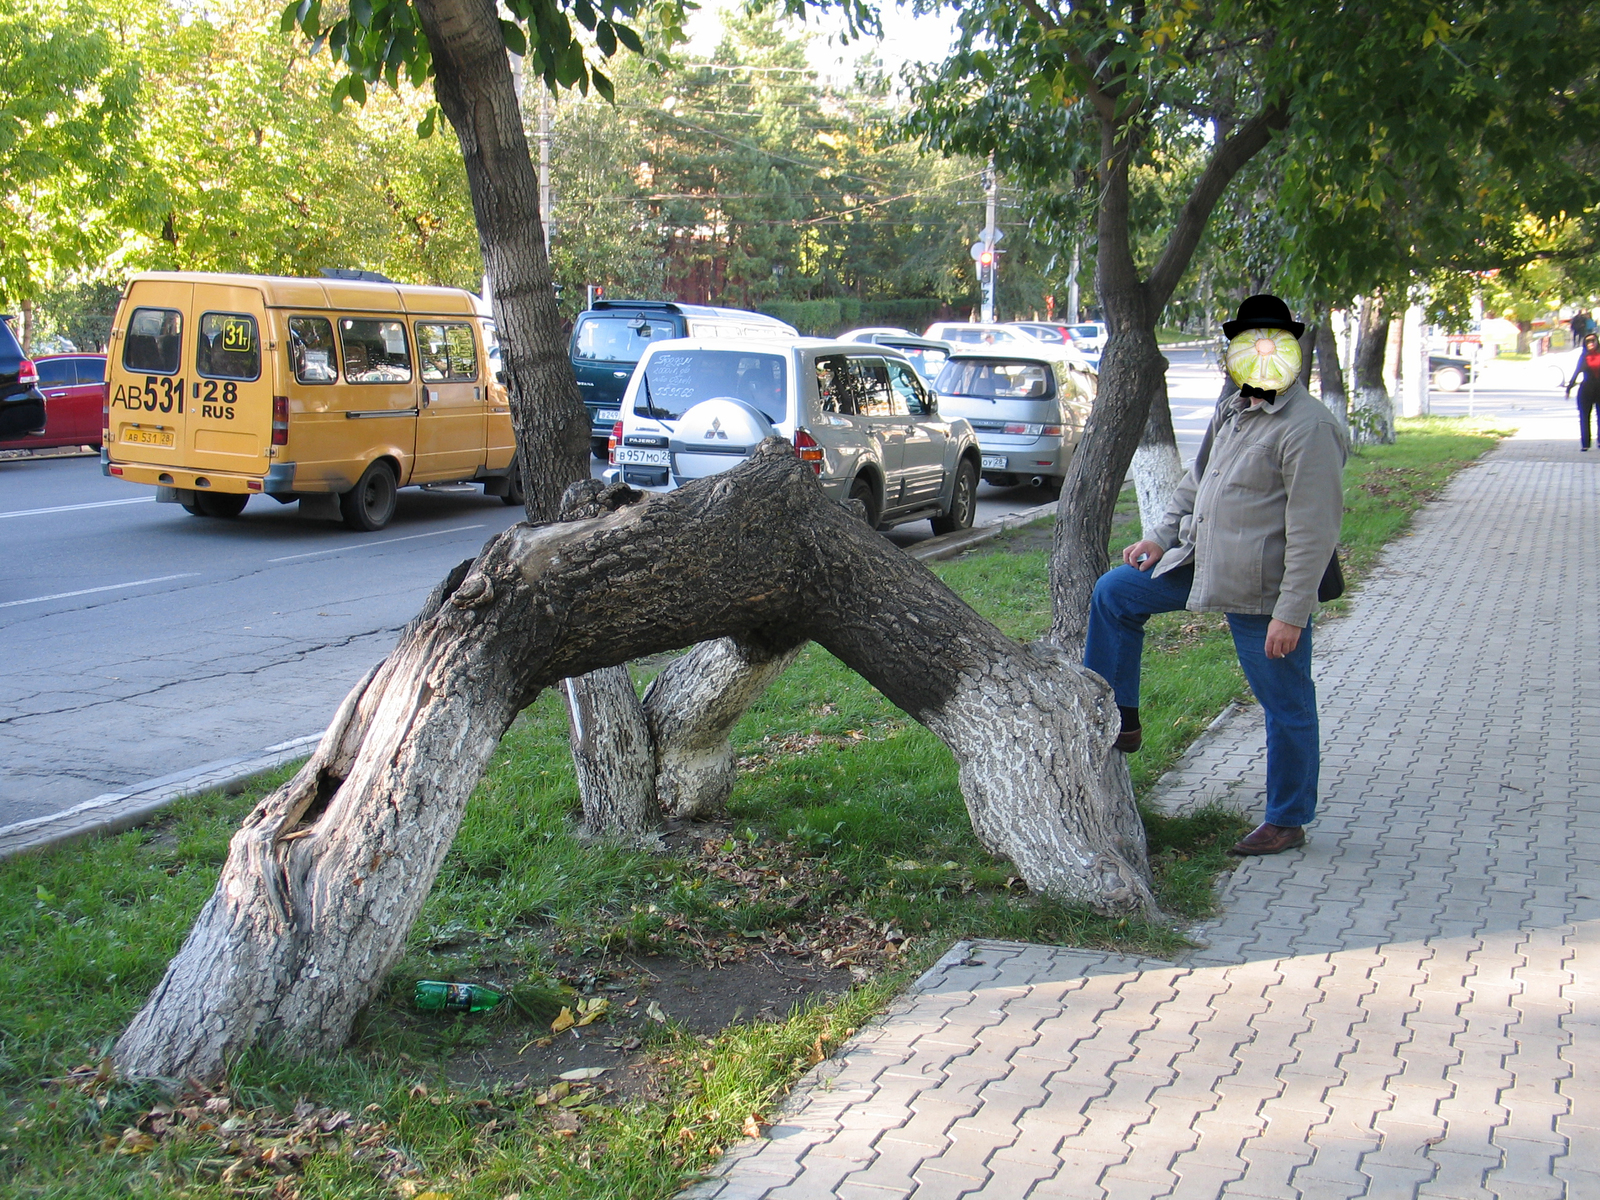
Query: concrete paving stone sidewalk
[[1406, 1008]]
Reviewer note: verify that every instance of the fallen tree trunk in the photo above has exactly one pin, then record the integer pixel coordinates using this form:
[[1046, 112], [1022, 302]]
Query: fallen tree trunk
[[326, 875]]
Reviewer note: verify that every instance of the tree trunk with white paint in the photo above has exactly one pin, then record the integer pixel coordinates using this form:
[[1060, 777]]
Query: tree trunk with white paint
[[692, 707], [327, 874], [1157, 465], [1372, 418], [1332, 373]]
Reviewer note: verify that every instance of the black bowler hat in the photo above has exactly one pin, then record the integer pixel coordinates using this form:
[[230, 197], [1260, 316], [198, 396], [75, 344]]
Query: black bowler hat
[[1262, 312]]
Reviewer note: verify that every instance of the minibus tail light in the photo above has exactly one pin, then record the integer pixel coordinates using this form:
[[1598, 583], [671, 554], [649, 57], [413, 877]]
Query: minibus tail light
[[809, 451], [280, 421]]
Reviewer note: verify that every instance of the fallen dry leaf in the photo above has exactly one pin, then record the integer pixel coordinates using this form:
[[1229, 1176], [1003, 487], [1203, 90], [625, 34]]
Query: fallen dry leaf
[[583, 1073], [752, 1126], [564, 1020]]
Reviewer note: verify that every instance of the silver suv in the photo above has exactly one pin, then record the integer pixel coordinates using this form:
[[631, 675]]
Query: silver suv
[[859, 414]]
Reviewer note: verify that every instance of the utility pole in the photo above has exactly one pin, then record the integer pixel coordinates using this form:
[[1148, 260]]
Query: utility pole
[[991, 235], [544, 165], [1072, 283]]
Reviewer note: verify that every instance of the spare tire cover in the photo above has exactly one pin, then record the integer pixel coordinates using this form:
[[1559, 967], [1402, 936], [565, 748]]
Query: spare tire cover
[[715, 435]]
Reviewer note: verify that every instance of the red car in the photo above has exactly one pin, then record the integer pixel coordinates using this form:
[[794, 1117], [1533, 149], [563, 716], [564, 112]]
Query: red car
[[74, 387]]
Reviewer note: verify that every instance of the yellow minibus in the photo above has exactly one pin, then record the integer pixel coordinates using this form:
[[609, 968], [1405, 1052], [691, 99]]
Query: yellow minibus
[[330, 392]]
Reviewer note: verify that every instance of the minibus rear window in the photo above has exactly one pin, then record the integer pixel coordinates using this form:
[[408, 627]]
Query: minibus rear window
[[229, 347], [311, 350], [447, 353], [154, 341], [374, 351]]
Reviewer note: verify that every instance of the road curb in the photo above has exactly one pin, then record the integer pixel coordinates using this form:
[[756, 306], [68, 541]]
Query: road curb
[[113, 812], [951, 544]]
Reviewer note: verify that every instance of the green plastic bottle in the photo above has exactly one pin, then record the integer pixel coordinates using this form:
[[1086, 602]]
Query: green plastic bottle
[[433, 996]]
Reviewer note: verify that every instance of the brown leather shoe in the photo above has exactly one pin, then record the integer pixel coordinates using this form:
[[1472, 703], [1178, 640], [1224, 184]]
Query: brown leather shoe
[[1129, 740], [1271, 839]]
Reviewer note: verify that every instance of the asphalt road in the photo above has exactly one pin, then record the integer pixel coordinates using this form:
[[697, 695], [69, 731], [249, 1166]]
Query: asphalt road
[[137, 641]]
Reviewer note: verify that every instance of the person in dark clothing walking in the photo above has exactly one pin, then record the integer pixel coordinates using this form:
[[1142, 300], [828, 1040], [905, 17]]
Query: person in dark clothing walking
[[1588, 371], [1582, 324]]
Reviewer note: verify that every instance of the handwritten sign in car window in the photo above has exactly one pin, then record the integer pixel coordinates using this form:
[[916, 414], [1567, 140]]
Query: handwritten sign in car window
[[674, 381]]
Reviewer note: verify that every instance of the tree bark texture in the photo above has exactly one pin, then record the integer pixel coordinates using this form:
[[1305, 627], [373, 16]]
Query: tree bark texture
[[326, 876], [1157, 465], [477, 93], [692, 707], [477, 96], [612, 753], [1372, 418]]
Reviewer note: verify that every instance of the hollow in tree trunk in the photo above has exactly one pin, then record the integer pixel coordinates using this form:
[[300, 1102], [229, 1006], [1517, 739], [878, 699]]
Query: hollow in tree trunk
[[327, 874]]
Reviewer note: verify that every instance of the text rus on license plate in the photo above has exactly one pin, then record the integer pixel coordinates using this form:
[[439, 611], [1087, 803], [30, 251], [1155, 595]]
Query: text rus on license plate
[[609, 414], [994, 462], [149, 437], [641, 458]]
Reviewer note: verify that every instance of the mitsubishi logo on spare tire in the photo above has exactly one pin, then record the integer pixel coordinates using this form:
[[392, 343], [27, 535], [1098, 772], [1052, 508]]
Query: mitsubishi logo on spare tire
[[716, 430]]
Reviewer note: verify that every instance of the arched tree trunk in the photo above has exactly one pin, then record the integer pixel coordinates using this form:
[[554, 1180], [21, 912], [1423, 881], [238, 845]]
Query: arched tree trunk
[[1372, 419], [326, 876]]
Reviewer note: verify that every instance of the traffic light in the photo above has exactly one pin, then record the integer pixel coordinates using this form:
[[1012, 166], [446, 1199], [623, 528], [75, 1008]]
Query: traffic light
[[986, 260], [597, 291]]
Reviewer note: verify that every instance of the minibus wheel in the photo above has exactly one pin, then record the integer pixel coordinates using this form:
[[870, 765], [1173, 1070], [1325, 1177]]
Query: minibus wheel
[[217, 504], [515, 496], [368, 506]]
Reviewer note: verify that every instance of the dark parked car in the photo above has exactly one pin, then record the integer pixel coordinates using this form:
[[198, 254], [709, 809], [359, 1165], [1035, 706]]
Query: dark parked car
[[21, 402], [74, 387], [1447, 373]]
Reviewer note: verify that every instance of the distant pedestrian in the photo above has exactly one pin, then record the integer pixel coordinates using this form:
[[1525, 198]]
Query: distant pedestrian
[[1250, 532], [1587, 370], [1582, 325]]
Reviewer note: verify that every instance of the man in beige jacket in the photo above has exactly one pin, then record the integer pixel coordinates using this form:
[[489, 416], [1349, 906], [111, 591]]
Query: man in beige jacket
[[1249, 533]]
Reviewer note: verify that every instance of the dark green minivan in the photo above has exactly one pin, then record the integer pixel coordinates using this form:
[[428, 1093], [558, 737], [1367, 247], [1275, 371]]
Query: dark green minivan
[[609, 339]]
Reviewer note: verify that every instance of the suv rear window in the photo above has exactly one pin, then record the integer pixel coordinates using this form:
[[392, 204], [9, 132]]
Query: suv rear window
[[619, 338], [674, 381], [991, 379], [153, 344]]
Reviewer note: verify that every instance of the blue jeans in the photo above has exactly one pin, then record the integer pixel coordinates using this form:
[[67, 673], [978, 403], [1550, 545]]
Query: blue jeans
[[1126, 597]]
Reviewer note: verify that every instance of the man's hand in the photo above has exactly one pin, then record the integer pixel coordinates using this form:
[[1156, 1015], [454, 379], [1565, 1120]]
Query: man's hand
[[1282, 638], [1143, 555]]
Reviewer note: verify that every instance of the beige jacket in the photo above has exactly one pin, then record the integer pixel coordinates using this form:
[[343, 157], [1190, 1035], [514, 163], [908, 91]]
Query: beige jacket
[[1262, 517]]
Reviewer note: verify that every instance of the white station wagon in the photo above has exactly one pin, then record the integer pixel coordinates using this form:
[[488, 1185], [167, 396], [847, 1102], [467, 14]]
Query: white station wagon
[[858, 413]]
